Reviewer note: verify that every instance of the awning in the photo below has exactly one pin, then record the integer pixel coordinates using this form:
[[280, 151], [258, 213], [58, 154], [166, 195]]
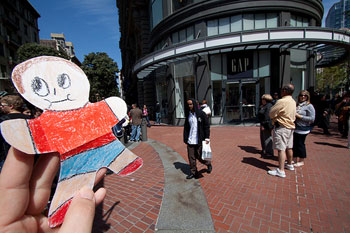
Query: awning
[[331, 45]]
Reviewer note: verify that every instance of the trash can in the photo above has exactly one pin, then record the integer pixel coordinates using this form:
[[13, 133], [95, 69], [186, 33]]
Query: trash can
[[144, 129]]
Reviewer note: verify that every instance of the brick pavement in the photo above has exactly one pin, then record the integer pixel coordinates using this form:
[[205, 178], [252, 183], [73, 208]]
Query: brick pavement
[[133, 202], [240, 194]]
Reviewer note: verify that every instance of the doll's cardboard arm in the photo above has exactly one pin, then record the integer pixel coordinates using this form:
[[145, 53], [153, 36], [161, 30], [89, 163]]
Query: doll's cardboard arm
[[17, 134], [118, 107]]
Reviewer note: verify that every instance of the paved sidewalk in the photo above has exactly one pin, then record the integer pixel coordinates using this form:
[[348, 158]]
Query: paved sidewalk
[[241, 196]]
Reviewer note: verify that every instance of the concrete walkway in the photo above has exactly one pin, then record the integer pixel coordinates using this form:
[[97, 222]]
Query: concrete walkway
[[184, 207]]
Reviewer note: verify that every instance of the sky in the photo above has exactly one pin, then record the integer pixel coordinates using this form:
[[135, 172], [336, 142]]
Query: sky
[[91, 25]]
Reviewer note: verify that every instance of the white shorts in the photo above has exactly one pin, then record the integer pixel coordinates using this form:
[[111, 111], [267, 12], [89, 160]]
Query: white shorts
[[282, 138]]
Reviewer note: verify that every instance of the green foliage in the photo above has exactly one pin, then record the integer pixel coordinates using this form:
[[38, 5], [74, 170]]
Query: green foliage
[[30, 50], [101, 71], [332, 78]]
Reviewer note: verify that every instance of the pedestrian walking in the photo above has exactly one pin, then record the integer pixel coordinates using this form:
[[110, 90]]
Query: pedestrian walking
[[145, 115], [196, 130], [265, 125], [205, 108], [282, 115], [157, 113], [343, 110], [305, 117], [136, 119]]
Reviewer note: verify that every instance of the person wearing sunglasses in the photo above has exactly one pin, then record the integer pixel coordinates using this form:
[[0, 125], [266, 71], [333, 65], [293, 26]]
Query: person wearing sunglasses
[[305, 116]]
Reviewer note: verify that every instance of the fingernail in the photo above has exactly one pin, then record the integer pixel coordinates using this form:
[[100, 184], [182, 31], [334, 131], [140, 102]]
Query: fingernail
[[86, 193]]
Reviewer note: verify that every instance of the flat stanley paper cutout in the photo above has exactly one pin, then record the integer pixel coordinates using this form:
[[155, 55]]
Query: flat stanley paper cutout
[[80, 131]]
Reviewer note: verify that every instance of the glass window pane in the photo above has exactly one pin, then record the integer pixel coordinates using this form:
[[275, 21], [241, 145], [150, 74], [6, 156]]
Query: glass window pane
[[299, 21], [217, 97], [264, 63], [157, 12], [259, 21], [175, 38], [183, 35], [271, 20], [189, 32], [236, 23], [248, 22], [224, 25], [215, 67], [293, 21], [212, 27], [305, 22]]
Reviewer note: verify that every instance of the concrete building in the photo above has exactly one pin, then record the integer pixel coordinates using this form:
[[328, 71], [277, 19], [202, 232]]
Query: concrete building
[[18, 25], [58, 42], [339, 15], [227, 52]]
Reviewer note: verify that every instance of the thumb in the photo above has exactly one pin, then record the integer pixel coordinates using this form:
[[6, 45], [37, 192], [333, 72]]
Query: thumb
[[81, 212]]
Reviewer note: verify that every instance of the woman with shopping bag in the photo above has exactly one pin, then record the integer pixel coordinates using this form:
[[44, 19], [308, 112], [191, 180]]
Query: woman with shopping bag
[[196, 132]]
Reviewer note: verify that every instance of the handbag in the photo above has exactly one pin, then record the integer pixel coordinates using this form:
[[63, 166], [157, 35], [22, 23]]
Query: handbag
[[206, 151]]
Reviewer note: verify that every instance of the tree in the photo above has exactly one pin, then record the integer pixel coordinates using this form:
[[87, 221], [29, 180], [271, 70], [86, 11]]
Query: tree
[[332, 78], [101, 71], [30, 50]]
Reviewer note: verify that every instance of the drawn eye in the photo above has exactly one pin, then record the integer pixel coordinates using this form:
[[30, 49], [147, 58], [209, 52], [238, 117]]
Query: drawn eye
[[40, 87], [63, 81]]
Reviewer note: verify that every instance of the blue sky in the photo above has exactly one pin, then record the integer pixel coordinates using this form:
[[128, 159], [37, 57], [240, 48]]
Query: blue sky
[[91, 25]]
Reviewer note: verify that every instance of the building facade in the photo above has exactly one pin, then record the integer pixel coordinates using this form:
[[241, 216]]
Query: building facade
[[226, 52], [18, 25], [59, 43], [339, 15]]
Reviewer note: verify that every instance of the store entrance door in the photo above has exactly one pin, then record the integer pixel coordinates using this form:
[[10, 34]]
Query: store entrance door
[[240, 105]]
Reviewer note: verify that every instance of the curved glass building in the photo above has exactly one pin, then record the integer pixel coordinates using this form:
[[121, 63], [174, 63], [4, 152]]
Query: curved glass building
[[226, 52]]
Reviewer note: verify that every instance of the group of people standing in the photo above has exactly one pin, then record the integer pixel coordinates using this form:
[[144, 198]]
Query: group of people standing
[[284, 126]]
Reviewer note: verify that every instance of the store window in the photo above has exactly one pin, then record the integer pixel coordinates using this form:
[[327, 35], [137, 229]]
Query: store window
[[184, 85], [216, 75]]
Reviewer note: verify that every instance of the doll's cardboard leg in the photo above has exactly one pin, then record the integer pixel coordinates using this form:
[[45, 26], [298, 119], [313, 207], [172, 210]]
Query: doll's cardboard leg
[[126, 163], [64, 193]]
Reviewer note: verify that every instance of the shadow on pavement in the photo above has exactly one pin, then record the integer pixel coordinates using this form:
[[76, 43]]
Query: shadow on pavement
[[185, 168], [250, 149], [100, 221], [330, 144], [258, 163]]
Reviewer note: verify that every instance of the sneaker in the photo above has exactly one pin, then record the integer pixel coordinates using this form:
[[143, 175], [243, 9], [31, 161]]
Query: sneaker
[[289, 167], [277, 172]]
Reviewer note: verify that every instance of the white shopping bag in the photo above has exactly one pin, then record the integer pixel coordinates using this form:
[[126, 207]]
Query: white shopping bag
[[206, 151]]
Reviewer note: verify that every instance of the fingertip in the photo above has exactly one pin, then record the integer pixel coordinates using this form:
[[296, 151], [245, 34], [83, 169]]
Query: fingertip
[[86, 193], [100, 195], [83, 202]]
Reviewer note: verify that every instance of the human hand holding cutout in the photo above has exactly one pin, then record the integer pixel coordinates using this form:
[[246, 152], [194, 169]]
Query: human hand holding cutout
[[25, 190]]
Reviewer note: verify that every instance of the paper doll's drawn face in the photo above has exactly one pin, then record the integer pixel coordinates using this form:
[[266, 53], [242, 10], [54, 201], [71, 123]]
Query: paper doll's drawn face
[[52, 83]]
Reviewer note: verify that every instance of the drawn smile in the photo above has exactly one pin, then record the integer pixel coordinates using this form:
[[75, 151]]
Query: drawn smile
[[59, 101]]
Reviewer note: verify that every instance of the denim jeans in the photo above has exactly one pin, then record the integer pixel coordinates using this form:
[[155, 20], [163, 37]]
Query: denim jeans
[[158, 117], [135, 132]]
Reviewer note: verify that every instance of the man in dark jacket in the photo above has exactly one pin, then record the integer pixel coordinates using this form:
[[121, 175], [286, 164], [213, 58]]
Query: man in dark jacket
[[11, 106], [196, 130]]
